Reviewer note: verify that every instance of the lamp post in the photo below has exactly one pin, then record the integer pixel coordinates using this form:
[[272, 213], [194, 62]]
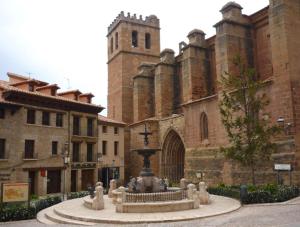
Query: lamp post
[[66, 159]]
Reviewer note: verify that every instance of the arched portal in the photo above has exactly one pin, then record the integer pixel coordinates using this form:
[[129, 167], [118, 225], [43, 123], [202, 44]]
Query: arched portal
[[172, 159]]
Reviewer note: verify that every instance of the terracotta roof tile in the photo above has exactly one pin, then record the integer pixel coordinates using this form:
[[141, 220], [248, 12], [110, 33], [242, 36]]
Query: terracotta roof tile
[[4, 85], [108, 120]]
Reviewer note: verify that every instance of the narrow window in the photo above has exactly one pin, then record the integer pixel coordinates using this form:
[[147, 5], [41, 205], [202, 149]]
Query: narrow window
[[104, 129], [204, 126], [104, 147], [30, 87], [76, 125], [111, 45], [134, 39], [54, 147], [116, 130], [46, 118], [2, 113], [117, 40], [116, 148], [59, 120], [147, 41], [90, 127], [29, 149], [76, 152], [53, 92], [30, 116], [89, 152], [2, 148]]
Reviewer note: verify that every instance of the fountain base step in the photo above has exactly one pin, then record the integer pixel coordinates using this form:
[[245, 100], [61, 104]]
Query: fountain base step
[[73, 212], [155, 207]]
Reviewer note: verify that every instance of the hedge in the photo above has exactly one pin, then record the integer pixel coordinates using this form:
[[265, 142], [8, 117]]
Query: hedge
[[22, 212], [269, 193], [74, 195]]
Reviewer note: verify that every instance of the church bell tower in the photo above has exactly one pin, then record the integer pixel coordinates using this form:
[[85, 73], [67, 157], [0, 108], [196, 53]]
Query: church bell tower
[[131, 41]]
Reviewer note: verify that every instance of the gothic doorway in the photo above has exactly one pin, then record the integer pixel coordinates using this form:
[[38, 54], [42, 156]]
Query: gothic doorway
[[172, 159]]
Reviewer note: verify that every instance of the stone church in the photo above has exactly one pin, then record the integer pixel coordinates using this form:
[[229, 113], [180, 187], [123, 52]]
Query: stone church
[[178, 96]]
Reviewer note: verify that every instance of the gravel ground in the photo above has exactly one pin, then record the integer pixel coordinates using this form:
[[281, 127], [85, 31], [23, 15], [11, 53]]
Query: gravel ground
[[287, 215]]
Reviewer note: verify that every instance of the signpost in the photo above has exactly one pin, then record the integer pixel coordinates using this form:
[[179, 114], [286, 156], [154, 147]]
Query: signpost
[[283, 167]]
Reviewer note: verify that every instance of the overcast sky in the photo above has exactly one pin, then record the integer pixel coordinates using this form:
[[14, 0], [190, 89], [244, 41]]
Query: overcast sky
[[64, 41]]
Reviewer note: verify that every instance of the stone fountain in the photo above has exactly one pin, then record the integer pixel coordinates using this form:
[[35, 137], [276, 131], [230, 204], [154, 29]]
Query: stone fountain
[[146, 182]]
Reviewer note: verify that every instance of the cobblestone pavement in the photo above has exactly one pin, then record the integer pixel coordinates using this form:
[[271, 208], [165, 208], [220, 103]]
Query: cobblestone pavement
[[287, 215]]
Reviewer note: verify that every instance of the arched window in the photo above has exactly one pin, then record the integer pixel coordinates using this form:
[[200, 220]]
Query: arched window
[[203, 126], [117, 40], [134, 39], [147, 41], [111, 44]]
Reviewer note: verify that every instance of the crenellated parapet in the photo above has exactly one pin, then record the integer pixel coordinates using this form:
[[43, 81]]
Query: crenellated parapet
[[151, 20]]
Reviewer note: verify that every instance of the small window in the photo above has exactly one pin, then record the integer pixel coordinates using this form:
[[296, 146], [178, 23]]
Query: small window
[[2, 148], [104, 147], [30, 87], [90, 127], [116, 148], [76, 152], [117, 40], [46, 118], [203, 126], [111, 45], [30, 116], [104, 129], [59, 120], [2, 113], [147, 41], [53, 92], [29, 149], [54, 147], [116, 130], [134, 39], [89, 152], [76, 125]]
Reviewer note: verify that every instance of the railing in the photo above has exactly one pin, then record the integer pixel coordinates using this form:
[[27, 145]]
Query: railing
[[155, 196], [29, 156]]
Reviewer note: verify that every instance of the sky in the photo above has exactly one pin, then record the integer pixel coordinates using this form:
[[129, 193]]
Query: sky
[[64, 41]]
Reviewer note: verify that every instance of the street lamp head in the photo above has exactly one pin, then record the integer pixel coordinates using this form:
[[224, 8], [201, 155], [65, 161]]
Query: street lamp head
[[280, 121]]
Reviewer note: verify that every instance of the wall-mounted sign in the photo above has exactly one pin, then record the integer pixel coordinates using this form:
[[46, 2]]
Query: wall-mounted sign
[[284, 167], [15, 192]]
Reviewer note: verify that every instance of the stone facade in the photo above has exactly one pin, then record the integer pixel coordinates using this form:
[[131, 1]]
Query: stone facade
[[111, 148], [178, 96], [35, 147]]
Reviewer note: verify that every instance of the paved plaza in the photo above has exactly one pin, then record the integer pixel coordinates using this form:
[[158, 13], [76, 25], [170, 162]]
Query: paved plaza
[[279, 215]]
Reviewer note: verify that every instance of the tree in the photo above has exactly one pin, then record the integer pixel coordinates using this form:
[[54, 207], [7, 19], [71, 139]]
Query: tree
[[248, 127]]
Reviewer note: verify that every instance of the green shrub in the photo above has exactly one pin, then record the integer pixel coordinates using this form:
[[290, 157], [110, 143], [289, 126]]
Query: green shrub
[[74, 195], [47, 202], [268, 193], [17, 213], [225, 191], [258, 197], [20, 211]]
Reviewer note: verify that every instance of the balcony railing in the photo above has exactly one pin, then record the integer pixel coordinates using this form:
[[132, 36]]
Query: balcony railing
[[86, 158], [30, 156]]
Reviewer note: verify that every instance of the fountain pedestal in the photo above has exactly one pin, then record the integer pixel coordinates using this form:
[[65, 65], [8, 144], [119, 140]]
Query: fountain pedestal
[[146, 182]]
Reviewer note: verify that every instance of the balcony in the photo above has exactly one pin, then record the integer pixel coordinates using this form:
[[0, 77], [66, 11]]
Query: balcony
[[30, 156]]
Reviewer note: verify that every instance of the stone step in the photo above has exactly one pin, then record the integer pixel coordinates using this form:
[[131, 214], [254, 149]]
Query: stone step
[[53, 218], [43, 219]]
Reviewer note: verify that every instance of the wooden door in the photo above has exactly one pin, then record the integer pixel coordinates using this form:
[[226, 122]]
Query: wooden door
[[31, 176], [73, 180], [53, 181], [87, 178]]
